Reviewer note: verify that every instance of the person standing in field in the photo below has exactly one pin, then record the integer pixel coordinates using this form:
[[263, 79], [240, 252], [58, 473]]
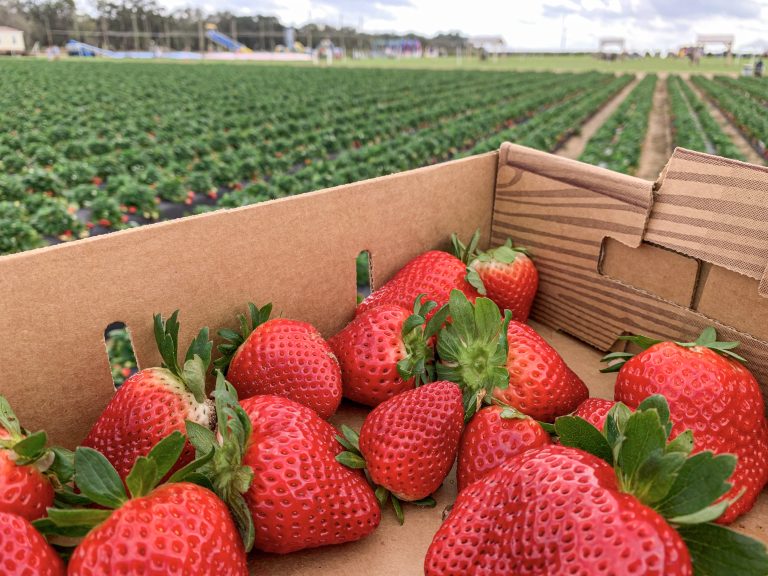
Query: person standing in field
[[759, 68]]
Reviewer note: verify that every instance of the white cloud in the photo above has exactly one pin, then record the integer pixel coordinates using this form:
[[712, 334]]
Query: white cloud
[[646, 24]]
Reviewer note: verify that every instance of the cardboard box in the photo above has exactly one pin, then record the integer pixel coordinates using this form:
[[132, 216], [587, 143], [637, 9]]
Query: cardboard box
[[616, 254]]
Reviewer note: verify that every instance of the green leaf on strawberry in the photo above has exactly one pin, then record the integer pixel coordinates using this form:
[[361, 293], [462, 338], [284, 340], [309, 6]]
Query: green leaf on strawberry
[[99, 483], [707, 339], [578, 433], [196, 359], [220, 461], [9, 422], [473, 349], [717, 550], [418, 362]]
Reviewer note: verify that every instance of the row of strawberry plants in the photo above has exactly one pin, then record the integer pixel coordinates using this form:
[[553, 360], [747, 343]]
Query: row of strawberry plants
[[754, 87], [548, 130], [721, 143], [617, 144], [686, 130], [434, 144], [747, 114]]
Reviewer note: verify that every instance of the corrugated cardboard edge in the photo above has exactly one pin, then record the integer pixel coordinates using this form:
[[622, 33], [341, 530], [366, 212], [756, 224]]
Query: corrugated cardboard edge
[[564, 210], [298, 253]]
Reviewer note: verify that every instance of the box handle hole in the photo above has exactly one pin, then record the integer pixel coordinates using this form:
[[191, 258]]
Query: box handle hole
[[364, 274], [122, 359]]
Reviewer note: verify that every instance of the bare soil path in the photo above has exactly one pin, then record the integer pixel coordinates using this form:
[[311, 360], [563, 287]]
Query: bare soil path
[[574, 146], [730, 130], [657, 147]]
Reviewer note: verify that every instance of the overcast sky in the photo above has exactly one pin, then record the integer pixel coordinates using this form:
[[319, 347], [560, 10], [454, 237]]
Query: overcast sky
[[526, 24]]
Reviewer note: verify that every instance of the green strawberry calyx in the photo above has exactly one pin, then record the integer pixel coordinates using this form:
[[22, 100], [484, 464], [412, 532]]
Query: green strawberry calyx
[[223, 471], [351, 457], [686, 489], [470, 255], [473, 348], [233, 339], [417, 332], [99, 484], [196, 361], [707, 339], [31, 448]]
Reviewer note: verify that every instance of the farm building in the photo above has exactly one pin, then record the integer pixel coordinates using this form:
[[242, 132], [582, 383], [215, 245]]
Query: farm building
[[11, 40]]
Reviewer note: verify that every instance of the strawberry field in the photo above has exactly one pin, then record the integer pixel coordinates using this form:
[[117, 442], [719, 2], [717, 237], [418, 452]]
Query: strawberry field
[[89, 148]]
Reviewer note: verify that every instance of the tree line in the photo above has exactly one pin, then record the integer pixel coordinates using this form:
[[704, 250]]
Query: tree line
[[145, 25]]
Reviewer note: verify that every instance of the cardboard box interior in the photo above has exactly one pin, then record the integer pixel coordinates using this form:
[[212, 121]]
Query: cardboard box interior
[[616, 254]]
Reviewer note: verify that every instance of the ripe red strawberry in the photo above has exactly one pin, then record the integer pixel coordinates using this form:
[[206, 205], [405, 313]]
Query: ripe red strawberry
[[712, 393], [553, 510], [409, 443], [174, 528], [434, 274], [283, 357], [300, 496], [594, 411], [627, 500], [23, 551], [505, 274], [494, 435], [156, 401], [25, 486], [386, 350], [541, 384], [490, 356]]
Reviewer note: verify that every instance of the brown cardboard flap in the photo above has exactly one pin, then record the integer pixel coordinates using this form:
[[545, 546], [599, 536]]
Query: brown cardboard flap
[[713, 209], [298, 253], [706, 208]]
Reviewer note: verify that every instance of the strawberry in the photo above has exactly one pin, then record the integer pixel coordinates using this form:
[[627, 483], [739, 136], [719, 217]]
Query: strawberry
[[491, 356], [434, 273], [26, 468], [23, 551], [178, 527], [300, 496], [711, 392], [408, 443], [629, 501], [594, 411], [494, 435], [155, 401], [505, 274], [386, 350], [281, 357]]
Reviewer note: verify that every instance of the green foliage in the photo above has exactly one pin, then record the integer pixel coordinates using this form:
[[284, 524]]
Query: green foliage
[[743, 102], [105, 210], [122, 360], [618, 142], [54, 218]]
